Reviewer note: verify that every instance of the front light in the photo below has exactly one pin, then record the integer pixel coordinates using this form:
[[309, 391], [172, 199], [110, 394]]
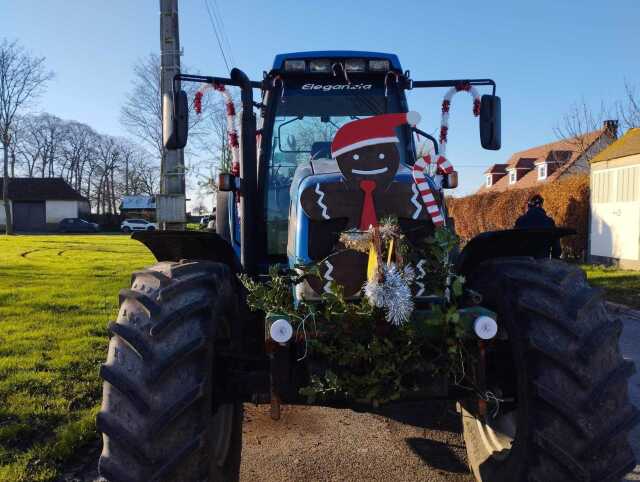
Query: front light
[[295, 65], [281, 331], [378, 65], [319, 66], [355, 65], [485, 327]]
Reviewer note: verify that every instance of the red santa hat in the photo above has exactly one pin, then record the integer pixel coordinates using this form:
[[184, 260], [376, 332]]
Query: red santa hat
[[378, 129]]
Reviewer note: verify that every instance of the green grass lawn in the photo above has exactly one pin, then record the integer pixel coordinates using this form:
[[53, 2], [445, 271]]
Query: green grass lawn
[[620, 286], [57, 294]]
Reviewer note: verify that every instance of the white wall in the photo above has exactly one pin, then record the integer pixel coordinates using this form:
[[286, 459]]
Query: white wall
[[615, 230], [615, 212], [58, 210]]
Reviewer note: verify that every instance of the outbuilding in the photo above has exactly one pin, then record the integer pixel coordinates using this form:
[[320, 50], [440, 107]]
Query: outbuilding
[[615, 203], [39, 204], [138, 207]]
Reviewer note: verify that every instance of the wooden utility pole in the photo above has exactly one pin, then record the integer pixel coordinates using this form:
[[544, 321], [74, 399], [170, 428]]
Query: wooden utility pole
[[171, 204]]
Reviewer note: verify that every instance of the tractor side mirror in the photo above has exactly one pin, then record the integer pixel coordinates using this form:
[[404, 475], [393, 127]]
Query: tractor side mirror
[[450, 180], [175, 118], [490, 136], [226, 182]]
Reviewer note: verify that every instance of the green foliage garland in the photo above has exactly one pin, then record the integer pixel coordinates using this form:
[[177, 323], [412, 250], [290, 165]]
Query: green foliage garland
[[353, 351]]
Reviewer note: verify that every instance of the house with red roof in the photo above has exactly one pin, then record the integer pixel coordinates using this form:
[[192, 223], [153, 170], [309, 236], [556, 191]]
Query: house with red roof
[[549, 162]]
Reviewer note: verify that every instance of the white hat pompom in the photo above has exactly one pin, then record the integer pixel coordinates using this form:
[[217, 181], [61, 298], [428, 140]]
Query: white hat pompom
[[413, 118]]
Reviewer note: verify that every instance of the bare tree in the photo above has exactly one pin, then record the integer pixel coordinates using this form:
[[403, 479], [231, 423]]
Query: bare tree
[[629, 109], [49, 132], [22, 79], [15, 146], [578, 122], [78, 148], [142, 113], [142, 110]]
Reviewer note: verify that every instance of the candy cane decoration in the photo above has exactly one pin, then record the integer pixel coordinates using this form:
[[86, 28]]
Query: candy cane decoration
[[446, 104], [442, 164], [424, 189], [232, 131]]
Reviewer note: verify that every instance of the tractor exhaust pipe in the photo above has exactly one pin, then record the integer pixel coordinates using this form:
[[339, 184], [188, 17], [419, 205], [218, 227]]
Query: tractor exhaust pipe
[[248, 174]]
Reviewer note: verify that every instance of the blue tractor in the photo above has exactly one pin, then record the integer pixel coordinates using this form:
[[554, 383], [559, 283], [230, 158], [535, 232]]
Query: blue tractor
[[331, 148]]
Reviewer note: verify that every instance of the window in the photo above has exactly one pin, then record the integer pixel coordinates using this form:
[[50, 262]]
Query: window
[[303, 129], [488, 184], [542, 172], [513, 177]]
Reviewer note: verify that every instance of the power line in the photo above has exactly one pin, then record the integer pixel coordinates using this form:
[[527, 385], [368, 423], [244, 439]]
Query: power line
[[215, 31], [217, 13]]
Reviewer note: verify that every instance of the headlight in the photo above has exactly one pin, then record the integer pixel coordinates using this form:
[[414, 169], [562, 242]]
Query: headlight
[[319, 66], [378, 65], [281, 331], [485, 327], [295, 65], [355, 65]]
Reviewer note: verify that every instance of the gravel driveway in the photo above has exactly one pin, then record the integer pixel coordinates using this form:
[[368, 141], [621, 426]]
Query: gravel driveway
[[409, 442]]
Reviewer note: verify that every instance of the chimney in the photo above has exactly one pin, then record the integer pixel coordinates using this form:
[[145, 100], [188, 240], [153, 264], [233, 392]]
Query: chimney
[[610, 127]]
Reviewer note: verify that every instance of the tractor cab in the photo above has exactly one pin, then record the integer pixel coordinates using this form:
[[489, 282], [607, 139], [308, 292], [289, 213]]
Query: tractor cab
[[313, 95]]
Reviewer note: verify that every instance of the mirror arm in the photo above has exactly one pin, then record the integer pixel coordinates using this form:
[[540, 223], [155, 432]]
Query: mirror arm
[[207, 79], [422, 84], [428, 136]]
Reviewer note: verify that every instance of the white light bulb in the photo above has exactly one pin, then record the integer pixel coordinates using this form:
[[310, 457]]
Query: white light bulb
[[485, 327], [281, 331]]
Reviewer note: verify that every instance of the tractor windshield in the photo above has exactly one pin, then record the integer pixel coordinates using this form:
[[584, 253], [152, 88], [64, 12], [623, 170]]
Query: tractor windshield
[[307, 116]]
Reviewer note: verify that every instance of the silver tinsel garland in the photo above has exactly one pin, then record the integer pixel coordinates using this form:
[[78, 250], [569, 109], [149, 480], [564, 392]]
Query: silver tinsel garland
[[361, 240], [392, 292]]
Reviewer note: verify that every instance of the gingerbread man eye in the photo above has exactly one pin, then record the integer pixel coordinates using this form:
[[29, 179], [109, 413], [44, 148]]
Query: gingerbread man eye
[[356, 157], [381, 156]]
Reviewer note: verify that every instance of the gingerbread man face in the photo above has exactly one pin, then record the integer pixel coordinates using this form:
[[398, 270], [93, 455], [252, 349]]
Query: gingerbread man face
[[378, 163]]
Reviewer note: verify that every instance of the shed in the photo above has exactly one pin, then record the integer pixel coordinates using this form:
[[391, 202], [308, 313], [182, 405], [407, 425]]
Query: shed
[[39, 204], [139, 207], [615, 203]]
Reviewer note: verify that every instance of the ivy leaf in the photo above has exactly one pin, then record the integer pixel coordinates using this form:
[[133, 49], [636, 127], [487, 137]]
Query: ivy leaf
[[457, 286]]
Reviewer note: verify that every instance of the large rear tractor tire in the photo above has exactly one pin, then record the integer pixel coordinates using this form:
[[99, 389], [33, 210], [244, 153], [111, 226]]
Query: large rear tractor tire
[[564, 413], [159, 418]]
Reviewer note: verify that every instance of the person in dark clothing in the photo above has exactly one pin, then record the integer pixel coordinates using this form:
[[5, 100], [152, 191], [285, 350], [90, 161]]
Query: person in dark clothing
[[536, 217]]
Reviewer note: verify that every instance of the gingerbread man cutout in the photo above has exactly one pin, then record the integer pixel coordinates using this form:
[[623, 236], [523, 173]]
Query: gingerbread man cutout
[[368, 159]]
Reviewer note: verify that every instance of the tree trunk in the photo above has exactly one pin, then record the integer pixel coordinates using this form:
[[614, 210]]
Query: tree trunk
[[5, 190]]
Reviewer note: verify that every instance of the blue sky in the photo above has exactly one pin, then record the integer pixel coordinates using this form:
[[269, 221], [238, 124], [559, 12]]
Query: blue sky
[[544, 55]]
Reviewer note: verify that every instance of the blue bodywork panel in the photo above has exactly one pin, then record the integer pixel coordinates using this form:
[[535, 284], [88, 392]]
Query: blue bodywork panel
[[278, 63]]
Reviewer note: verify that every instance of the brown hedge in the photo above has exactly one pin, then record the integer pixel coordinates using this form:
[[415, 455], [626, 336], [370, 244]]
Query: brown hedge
[[565, 200]]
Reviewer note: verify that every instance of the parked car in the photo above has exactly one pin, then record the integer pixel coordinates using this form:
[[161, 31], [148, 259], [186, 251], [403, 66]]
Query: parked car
[[129, 225], [77, 225]]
